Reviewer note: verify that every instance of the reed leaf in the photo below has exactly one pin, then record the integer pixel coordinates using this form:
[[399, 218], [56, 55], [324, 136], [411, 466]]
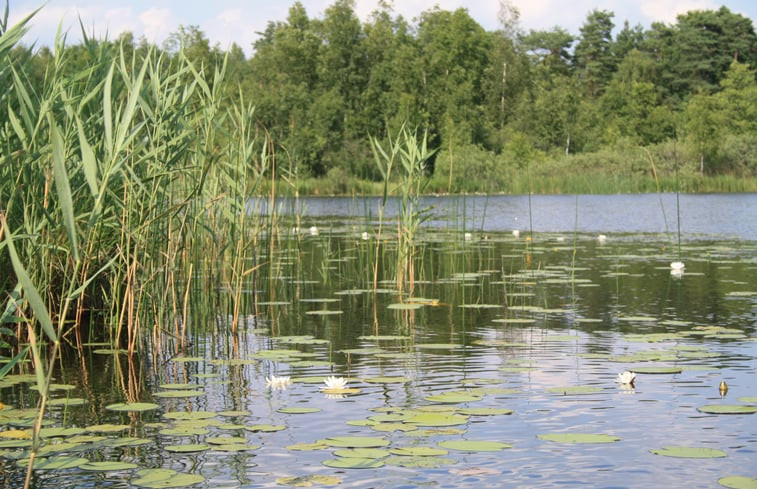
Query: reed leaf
[[30, 292], [63, 187]]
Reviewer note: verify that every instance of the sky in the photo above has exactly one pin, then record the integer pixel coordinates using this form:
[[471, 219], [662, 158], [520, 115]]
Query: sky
[[227, 21]]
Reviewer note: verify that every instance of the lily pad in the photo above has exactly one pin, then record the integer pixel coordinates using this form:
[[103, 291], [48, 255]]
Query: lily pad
[[738, 482], [573, 390], [727, 409], [407, 306], [437, 419], [484, 411], [356, 441], [475, 446], [180, 393], [307, 447], [298, 410], [189, 415], [578, 437], [68, 402], [184, 386], [374, 453], [187, 448], [309, 481], [657, 370], [418, 462], [132, 406], [265, 428], [688, 452], [162, 478], [419, 451], [54, 463], [353, 463], [225, 440], [453, 397], [386, 380], [107, 466]]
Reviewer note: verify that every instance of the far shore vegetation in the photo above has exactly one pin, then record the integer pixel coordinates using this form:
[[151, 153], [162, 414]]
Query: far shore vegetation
[[613, 108]]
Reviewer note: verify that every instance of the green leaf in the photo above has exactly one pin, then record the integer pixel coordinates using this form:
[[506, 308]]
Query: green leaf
[[475, 446], [356, 441], [136, 407], [578, 438], [688, 452], [63, 186], [727, 409], [107, 466], [353, 463], [738, 482], [188, 448], [374, 453]]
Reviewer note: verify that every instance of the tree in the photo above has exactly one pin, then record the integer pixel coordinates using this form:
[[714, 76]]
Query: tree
[[550, 50], [594, 57]]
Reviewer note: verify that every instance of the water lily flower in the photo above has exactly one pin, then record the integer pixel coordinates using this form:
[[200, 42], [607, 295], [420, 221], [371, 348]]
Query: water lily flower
[[677, 265], [516, 233], [468, 236], [626, 378], [335, 383], [365, 236], [602, 239], [313, 230], [275, 382]]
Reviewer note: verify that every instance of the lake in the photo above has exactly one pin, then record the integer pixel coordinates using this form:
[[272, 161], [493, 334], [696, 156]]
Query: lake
[[499, 369]]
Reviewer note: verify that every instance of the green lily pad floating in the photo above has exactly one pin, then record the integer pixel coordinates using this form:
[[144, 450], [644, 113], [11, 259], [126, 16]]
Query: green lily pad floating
[[356, 442], [419, 451], [187, 359], [657, 370], [638, 319], [324, 312], [15, 443], [514, 320], [235, 447], [189, 415], [136, 407], [265, 428], [353, 463], [475, 446], [574, 390], [179, 393], [188, 448], [386, 380], [233, 413], [298, 410], [453, 397], [419, 462], [484, 411], [307, 447], [374, 453], [749, 399], [688, 452], [225, 440], [388, 427], [107, 428], [55, 387], [110, 351], [184, 386], [54, 432], [163, 478], [578, 437], [309, 481], [184, 431], [437, 419], [54, 463], [383, 338], [406, 306], [125, 441], [68, 402], [738, 482], [107, 466], [727, 409]]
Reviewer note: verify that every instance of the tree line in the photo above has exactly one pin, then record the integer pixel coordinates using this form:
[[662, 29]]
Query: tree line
[[492, 102]]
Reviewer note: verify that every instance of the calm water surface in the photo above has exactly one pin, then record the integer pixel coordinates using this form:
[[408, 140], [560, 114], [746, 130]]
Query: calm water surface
[[516, 321]]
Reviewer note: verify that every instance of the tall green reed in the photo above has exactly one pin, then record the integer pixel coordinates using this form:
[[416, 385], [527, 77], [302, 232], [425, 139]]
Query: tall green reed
[[408, 155]]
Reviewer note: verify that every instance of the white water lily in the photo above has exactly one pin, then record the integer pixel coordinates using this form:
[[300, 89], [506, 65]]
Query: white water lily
[[626, 378], [468, 236], [335, 383], [275, 382], [677, 265], [516, 233], [365, 236], [601, 239], [313, 230]]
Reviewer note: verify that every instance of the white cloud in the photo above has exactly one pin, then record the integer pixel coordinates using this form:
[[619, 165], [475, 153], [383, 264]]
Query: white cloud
[[667, 10], [157, 24]]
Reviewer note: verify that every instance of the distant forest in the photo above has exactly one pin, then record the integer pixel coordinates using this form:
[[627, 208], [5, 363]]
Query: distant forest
[[613, 99]]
